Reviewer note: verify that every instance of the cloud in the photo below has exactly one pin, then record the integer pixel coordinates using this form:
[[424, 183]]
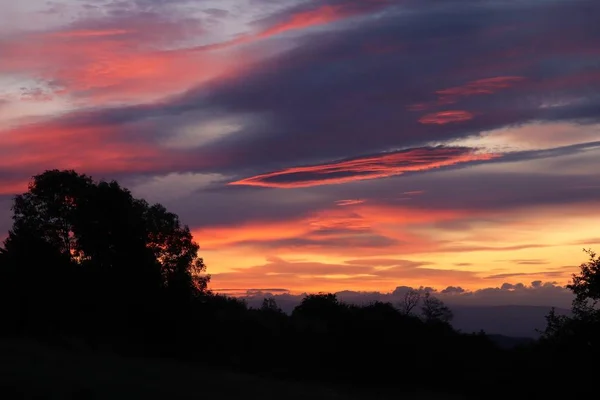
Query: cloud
[[300, 118], [486, 86], [73, 144], [378, 166], [310, 275], [309, 14], [216, 12], [327, 99], [537, 293], [446, 117], [539, 273], [386, 262], [343, 203], [588, 241], [133, 57], [530, 261], [479, 87], [453, 290], [301, 17], [333, 229], [89, 33]]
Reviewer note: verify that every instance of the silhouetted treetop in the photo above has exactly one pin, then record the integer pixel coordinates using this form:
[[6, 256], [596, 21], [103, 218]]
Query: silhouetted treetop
[[101, 226], [586, 284], [434, 310], [318, 306], [580, 330]]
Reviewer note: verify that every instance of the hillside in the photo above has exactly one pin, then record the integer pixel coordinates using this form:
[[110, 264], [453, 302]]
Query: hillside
[[519, 321], [515, 321]]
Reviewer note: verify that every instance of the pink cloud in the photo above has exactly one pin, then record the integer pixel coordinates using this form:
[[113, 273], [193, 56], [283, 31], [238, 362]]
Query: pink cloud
[[452, 95], [373, 167], [113, 65], [344, 203], [481, 86], [90, 147], [299, 20], [446, 117]]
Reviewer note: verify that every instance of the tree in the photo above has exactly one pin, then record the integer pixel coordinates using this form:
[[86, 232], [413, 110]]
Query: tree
[[434, 310], [582, 329], [586, 285], [119, 249], [322, 305], [270, 305], [409, 302], [49, 208]]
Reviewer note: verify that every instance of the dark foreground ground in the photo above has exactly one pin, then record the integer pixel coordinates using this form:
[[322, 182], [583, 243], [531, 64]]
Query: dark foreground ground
[[30, 370]]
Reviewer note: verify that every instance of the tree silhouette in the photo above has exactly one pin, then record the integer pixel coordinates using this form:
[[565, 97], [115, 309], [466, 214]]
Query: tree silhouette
[[270, 305], [586, 285], [581, 330], [434, 310], [49, 209], [319, 306], [410, 300], [95, 242]]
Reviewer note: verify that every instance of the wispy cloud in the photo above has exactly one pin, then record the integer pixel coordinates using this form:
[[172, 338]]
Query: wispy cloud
[[379, 166], [350, 202], [446, 117], [486, 86]]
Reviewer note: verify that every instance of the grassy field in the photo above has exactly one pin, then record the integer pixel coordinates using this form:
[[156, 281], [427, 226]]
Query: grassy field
[[29, 370]]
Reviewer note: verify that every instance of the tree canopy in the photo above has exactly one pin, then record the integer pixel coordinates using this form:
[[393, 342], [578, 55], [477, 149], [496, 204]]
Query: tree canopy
[[580, 330], [130, 253]]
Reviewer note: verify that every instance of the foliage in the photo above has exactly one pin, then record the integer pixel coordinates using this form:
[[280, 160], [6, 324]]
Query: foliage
[[586, 284], [410, 300], [270, 305], [91, 247], [434, 310], [579, 332]]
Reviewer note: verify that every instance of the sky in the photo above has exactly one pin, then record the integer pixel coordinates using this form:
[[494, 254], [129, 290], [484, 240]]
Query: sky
[[325, 145]]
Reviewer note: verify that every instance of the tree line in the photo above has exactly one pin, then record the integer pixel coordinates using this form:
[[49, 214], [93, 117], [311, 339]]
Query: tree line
[[87, 262]]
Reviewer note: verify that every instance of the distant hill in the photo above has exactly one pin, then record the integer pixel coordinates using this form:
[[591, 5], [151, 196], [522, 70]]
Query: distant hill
[[514, 321]]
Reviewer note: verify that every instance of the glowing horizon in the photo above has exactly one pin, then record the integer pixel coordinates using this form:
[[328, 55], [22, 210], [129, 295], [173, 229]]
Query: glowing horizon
[[326, 145]]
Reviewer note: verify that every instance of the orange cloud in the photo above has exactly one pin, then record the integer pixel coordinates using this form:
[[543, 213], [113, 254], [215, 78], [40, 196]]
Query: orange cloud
[[379, 166], [446, 117], [317, 276], [345, 222], [301, 257]]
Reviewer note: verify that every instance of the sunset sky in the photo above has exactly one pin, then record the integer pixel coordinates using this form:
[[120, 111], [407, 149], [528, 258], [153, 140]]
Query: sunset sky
[[324, 145]]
